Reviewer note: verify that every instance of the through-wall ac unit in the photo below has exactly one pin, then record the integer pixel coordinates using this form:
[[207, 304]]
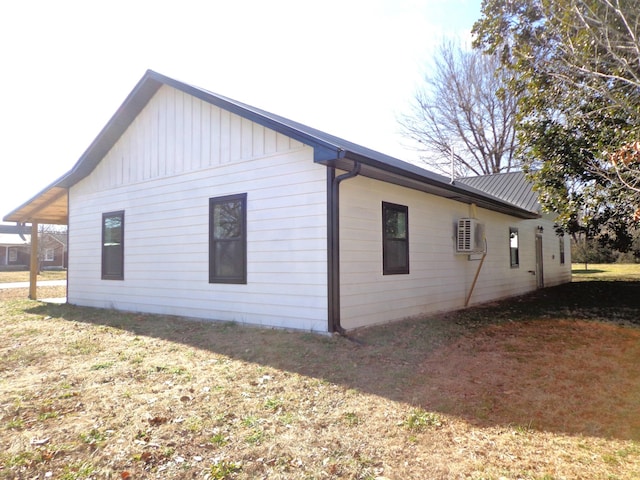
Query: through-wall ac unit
[[469, 236]]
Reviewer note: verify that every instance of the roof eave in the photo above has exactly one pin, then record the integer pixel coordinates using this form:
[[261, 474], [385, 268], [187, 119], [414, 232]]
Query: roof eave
[[428, 184], [326, 151], [31, 211], [148, 85]]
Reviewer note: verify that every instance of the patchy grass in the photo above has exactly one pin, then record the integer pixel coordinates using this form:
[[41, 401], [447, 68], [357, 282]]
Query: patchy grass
[[22, 293], [544, 386], [606, 272], [10, 277]]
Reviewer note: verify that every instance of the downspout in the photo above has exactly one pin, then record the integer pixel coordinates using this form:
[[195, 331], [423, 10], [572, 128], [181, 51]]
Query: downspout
[[333, 239]]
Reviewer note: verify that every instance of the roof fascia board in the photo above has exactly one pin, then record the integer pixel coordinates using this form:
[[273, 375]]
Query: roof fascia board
[[457, 192], [137, 99]]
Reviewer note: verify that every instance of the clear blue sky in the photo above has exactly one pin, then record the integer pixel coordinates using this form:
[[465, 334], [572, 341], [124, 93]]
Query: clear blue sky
[[348, 67]]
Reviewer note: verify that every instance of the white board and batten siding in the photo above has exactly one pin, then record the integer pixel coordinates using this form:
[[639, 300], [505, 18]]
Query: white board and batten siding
[[176, 155], [439, 279]]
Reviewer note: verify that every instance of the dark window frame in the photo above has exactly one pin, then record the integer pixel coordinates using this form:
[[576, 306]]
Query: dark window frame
[[562, 247], [388, 242], [514, 252], [106, 265], [241, 240]]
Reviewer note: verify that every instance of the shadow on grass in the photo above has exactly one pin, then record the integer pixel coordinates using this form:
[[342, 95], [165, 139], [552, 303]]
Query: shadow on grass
[[582, 271], [396, 361]]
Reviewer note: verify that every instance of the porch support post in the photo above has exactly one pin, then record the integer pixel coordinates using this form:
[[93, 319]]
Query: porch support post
[[33, 264]]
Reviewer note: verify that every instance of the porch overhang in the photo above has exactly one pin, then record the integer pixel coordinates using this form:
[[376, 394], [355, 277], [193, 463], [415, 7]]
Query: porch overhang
[[50, 206]]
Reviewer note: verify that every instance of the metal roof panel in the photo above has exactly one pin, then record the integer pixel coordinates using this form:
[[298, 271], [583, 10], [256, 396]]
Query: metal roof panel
[[512, 187]]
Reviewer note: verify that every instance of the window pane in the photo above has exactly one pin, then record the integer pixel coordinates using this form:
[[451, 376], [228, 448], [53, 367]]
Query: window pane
[[113, 230], [229, 259], [227, 220], [514, 257], [395, 224], [112, 260], [513, 240], [396, 255]]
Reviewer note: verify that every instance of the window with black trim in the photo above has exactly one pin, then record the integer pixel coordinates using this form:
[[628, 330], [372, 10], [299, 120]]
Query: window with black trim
[[395, 239], [113, 246], [561, 249], [228, 239], [514, 252]]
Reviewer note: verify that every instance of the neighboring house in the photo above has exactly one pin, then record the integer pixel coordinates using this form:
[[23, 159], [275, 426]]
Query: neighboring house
[[189, 203], [53, 250], [14, 246]]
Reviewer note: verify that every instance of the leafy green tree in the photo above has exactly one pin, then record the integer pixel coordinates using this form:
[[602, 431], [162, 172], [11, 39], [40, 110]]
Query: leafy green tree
[[586, 251], [575, 68]]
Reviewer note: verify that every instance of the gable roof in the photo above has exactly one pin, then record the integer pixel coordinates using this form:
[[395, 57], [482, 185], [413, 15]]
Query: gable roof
[[13, 239], [512, 187], [59, 237], [15, 229], [51, 204]]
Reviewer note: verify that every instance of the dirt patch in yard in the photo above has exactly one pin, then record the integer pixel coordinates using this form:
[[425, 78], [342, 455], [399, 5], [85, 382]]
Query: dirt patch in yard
[[567, 376], [540, 387]]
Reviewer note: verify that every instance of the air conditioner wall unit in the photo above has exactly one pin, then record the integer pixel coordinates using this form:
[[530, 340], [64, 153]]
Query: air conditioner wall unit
[[469, 236]]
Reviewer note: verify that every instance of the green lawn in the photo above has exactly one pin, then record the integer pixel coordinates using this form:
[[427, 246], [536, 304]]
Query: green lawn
[[606, 271], [10, 277]]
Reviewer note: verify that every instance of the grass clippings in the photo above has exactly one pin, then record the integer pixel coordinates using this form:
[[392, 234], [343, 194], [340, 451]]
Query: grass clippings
[[540, 387]]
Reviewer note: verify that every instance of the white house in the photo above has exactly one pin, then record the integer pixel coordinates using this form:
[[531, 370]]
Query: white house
[[189, 203]]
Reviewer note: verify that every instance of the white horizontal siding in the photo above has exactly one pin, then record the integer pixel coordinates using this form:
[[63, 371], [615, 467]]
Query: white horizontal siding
[[177, 154], [439, 279]]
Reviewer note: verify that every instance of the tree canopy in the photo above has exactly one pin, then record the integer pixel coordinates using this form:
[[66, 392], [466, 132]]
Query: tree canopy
[[463, 114], [575, 68]]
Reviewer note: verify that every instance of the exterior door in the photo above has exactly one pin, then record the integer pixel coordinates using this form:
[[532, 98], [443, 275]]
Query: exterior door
[[539, 262]]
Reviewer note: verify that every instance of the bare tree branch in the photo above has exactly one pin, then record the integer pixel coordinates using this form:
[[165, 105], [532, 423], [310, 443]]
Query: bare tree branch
[[464, 111]]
